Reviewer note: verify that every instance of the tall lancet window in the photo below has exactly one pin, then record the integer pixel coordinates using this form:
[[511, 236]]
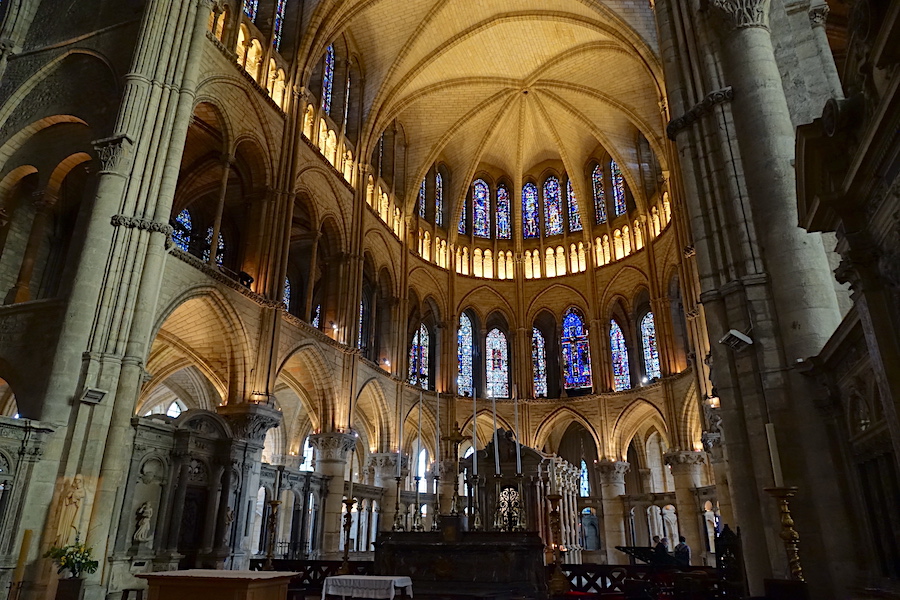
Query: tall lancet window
[[621, 370], [574, 213], [181, 233], [438, 200], [418, 358], [576, 350], [553, 207], [361, 331], [585, 482], [599, 195], [504, 218], [531, 217], [481, 209], [539, 362], [251, 7], [422, 200], [618, 183], [497, 364], [464, 347], [280, 9], [328, 80], [286, 295], [651, 351], [220, 247]]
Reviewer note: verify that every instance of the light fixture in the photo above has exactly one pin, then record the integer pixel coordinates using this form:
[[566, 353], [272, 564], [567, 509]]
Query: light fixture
[[736, 340], [644, 380]]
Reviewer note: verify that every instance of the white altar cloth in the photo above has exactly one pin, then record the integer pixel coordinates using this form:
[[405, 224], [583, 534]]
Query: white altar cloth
[[365, 586]]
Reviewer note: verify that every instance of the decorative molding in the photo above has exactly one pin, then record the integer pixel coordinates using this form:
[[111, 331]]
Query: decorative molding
[[114, 153], [224, 279], [742, 14], [612, 472], [687, 458], [332, 446], [676, 126], [141, 224], [818, 15]]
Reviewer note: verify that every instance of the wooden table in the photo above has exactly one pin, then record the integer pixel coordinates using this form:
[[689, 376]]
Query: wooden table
[[222, 585], [366, 586]]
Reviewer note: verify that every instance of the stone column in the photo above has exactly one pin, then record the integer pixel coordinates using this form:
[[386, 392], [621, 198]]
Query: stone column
[[385, 466], [43, 205], [611, 475], [331, 458], [818, 13], [686, 467]]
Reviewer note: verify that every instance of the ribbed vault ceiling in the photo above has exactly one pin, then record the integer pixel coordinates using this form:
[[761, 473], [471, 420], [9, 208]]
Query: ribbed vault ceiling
[[505, 83]]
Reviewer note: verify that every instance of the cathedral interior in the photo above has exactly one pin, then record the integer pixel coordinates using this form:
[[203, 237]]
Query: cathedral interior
[[260, 256]]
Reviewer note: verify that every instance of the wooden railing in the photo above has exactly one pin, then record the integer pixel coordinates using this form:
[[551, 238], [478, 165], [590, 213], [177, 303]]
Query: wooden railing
[[640, 581], [312, 573]]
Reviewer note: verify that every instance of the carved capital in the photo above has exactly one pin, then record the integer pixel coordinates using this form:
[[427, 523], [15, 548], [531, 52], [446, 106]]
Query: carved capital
[[332, 446], [741, 14], [141, 224], [114, 153], [697, 111], [818, 15], [250, 421], [385, 464], [684, 459], [612, 472]]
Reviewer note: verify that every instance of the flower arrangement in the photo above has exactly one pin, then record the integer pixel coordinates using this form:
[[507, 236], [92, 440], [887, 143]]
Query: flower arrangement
[[74, 557]]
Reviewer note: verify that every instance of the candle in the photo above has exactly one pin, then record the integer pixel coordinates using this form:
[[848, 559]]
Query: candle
[[419, 442], [474, 436], [437, 429], [400, 442], [553, 475], [350, 493], [496, 446], [518, 444], [773, 455]]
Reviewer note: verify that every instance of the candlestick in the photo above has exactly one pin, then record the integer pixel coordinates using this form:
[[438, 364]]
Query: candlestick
[[773, 455], [350, 493], [496, 446], [474, 437], [518, 444], [553, 475], [348, 522], [398, 518], [437, 427], [400, 441]]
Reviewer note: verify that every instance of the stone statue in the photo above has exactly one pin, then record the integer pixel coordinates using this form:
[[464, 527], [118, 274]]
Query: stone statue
[[70, 505], [229, 519], [142, 526]]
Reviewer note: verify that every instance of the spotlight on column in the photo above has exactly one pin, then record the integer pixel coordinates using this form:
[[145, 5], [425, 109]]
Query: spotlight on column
[[736, 340]]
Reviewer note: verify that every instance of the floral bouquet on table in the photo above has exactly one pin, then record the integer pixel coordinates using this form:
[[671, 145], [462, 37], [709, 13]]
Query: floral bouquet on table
[[74, 557]]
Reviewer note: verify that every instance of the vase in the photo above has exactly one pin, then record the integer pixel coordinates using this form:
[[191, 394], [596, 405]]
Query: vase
[[70, 588]]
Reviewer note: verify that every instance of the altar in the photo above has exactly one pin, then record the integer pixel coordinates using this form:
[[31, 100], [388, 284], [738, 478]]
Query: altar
[[221, 585], [477, 563]]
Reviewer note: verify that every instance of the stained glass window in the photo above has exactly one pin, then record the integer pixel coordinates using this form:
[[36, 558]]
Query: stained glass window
[[504, 230], [360, 330], [279, 22], [621, 371], [181, 233], [286, 296], [317, 316], [553, 207], [585, 483], [651, 352], [418, 358], [481, 209], [464, 380], [250, 8], [531, 218], [539, 362], [308, 455], [422, 200], [574, 214], [618, 183], [599, 195], [576, 350], [220, 247], [438, 199], [497, 364], [328, 79]]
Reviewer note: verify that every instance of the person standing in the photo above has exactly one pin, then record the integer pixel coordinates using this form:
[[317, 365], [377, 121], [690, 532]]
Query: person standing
[[683, 552]]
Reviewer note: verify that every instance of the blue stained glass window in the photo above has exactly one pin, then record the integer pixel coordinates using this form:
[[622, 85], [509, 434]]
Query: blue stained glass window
[[497, 364], [328, 80], [220, 247], [279, 22], [286, 296], [553, 207], [651, 352], [585, 482], [618, 183], [251, 7], [574, 214], [317, 316], [531, 218], [422, 200], [621, 371], [181, 233], [576, 350], [504, 220], [539, 362], [360, 332], [481, 209], [438, 200], [599, 195], [464, 380], [418, 358]]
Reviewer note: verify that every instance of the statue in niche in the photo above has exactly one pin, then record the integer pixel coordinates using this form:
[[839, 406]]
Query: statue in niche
[[229, 519], [142, 525], [70, 505]]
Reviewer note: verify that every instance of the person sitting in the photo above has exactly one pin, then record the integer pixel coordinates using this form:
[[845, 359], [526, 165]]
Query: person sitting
[[683, 552]]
